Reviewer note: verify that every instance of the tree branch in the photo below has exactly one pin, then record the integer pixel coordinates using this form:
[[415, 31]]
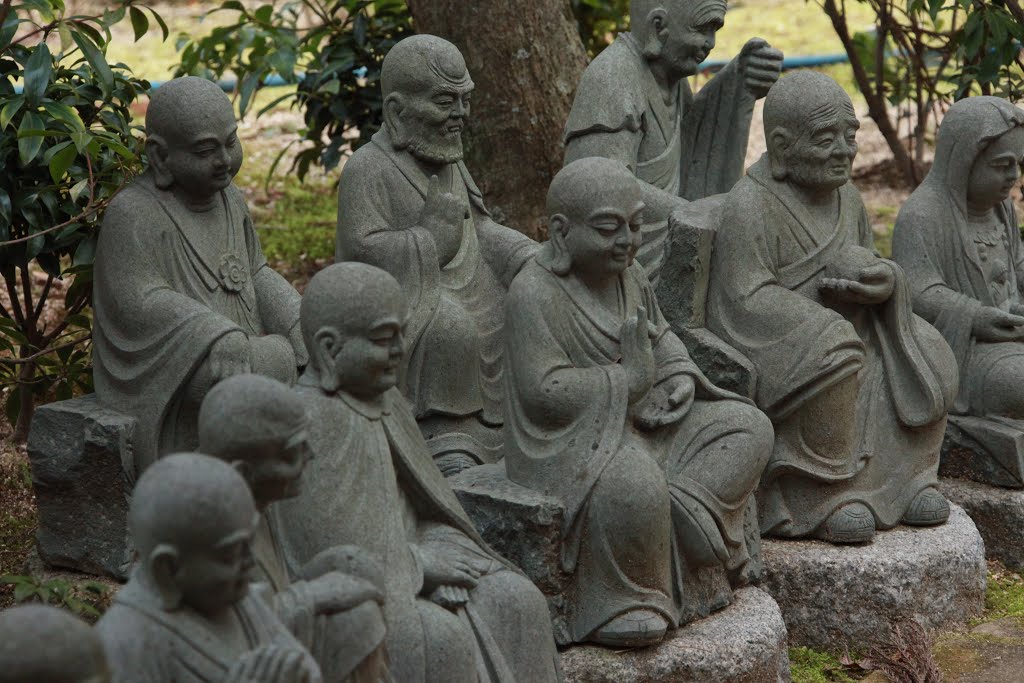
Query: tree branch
[[40, 354]]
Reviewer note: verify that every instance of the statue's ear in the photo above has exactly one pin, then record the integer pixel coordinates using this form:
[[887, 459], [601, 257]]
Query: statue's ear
[[656, 32], [393, 106], [779, 142], [157, 152], [561, 257], [327, 342], [164, 564]]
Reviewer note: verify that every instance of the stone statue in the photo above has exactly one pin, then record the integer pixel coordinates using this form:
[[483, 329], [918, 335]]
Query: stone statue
[[454, 609], [634, 105], [856, 385], [183, 296], [407, 204], [607, 412], [957, 238], [186, 615], [260, 426], [43, 644]]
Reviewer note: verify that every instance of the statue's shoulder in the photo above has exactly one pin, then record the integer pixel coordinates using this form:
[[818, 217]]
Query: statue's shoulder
[[619, 67], [135, 210], [618, 70], [369, 161], [533, 288]]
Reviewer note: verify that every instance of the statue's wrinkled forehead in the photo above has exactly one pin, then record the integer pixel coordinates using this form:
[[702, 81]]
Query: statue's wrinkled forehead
[[804, 101], [687, 12], [424, 62]]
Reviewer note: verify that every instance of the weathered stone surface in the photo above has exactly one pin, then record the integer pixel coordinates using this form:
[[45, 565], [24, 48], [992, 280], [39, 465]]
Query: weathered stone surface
[[998, 513], [743, 643], [833, 596], [998, 461], [77, 451]]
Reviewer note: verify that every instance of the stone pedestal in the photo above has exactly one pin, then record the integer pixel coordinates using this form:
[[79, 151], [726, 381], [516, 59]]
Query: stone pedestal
[[77, 451], [997, 512], [986, 450], [743, 643], [834, 596]]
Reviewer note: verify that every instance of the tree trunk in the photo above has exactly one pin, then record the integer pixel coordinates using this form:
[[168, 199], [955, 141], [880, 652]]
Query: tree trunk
[[526, 58]]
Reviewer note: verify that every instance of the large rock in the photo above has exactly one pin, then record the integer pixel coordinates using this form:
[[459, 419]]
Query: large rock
[[986, 450], [849, 596], [743, 643], [999, 515], [78, 452]]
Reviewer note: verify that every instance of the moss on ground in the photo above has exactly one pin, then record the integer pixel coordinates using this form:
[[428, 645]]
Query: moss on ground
[[812, 666]]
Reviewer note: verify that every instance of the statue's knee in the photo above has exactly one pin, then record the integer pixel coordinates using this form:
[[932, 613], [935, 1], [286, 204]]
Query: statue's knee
[[450, 648]]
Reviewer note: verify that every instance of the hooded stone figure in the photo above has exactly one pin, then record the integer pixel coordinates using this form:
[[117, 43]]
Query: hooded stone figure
[[857, 386], [407, 204], [43, 644], [182, 293], [957, 238]]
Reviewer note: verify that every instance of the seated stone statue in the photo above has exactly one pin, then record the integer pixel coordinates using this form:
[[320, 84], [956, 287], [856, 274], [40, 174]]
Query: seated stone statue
[[454, 610], [186, 615], [43, 644], [634, 105], [856, 385], [260, 426], [407, 204], [607, 412], [957, 239], [182, 294]]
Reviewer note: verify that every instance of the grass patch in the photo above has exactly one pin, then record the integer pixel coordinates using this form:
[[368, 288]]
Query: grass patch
[[1004, 595], [811, 666], [296, 220]]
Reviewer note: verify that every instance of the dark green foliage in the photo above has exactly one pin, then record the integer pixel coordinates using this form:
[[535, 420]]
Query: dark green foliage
[[600, 21], [87, 599]]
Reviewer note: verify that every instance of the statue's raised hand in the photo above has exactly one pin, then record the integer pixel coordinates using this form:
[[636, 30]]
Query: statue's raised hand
[[994, 325], [337, 592], [442, 215], [637, 355], [761, 65], [271, 664], [230, 355]]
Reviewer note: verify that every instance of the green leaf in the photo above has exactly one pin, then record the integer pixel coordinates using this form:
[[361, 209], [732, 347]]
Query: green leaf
[[140, 24], [38, 72], [29, 144], [22, 591], [78, 189], [34, 246], [63, 112], [9, 28], [61, 162], [66, 41], [86, 251], [264, 13], [10, 109], [94, 56], [161, 22], [249, 85]]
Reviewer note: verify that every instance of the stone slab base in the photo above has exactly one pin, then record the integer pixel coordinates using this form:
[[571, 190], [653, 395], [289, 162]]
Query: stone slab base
[[835, 596], [998, 513], [743, 643]]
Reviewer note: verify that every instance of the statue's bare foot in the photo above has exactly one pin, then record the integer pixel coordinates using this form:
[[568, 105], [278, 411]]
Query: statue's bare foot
[[851, 523], [638, 628], [928, 508]]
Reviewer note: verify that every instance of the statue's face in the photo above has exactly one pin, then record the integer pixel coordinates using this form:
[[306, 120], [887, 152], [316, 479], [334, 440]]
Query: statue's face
[[368, 361], [212, 577], [821, 157], [603, 242], [206, 155], [997, 169], [431, 121], [275, 472], [691, 35]]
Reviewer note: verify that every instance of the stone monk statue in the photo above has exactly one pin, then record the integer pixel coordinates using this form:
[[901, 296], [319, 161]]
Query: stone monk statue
[[634, 105], [607, 412], [182, 293], [958, 240], [43, 644], [407, 204], [454, 609], [856, 384], [260, 426], [187, 615]]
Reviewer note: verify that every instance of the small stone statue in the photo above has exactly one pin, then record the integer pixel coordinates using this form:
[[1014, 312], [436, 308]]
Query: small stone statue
[[43, 644], [856, 385], [958, 241], [634, 105], [454, 610], [183, 296], [407, 204], [186, 615], [260, 426], [607, 412]]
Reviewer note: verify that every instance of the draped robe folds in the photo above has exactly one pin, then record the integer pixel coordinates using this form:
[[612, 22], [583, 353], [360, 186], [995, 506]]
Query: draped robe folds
[[162, 300], [695, 154], [570, 435], [453, 365], [146, 644], [898, 375], [372, 484]]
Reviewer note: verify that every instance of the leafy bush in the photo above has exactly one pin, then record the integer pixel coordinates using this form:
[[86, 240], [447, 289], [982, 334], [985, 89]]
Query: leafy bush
[[87, 599], [67, 146]]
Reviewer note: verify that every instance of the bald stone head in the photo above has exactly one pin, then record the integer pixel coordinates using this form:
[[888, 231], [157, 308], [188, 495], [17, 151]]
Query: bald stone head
[[352, 316], [43, 644], [679, 34], [260, 426], [426, 89]]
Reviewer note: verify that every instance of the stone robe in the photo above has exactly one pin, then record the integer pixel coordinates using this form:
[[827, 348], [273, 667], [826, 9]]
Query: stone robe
[[372, 484], [453, 366], [694, 152], [858, 394], [146, 644], [163, 294], [954, 270], [633, 498]]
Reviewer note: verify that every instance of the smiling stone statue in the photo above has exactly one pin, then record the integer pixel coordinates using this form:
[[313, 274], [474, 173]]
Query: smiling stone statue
[[182, 293]]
